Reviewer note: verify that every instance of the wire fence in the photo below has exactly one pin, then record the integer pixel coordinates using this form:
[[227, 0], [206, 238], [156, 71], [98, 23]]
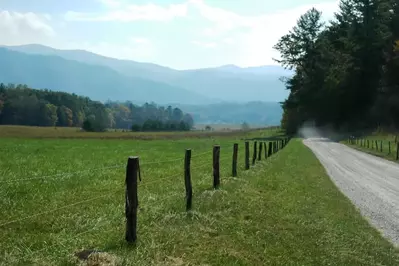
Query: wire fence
[[132, 186], [387, 148]]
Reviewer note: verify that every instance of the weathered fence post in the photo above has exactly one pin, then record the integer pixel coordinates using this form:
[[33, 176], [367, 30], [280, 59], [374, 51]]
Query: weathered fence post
[[235, 155], [187, 180], [270, 149], [246, 155], [265, 147], [260, 151], [376, 145], [255, 153], [216, 166], [381, 146], [131, 199]]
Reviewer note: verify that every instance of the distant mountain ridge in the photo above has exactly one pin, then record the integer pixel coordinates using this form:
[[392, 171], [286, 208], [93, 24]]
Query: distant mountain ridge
[[95, 81], [226, 83]]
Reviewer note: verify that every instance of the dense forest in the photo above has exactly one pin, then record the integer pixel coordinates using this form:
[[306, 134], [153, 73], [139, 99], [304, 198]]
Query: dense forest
[[20, 105], [346, 70]]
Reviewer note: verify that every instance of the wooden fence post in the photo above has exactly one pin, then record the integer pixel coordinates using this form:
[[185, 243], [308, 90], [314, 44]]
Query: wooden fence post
[[235, 155], [187, 180], [270, 149], [397, 151], [255, 153], [265, 147], [131, 199], [216, 166], [246, 155], [376, 145], [260, 151], [381, 146]]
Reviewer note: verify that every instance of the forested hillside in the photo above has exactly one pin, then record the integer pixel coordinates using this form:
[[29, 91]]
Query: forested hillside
[[20, 105], [347, 71]]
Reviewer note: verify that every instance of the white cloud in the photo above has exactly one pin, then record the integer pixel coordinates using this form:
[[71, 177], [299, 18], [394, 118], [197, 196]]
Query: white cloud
[[23, 28], [204, 44], [149, 12], [228, 41], [223, 20], [254, 35]]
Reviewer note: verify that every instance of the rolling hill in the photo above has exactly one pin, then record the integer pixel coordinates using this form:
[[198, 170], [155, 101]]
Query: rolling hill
[[95, 81], [227, 83], [254, 113]]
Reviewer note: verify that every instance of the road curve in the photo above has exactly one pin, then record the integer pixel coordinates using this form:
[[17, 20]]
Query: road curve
[[371, 183]]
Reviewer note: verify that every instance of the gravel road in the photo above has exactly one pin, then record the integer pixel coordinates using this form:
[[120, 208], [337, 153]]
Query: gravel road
[[371, 183]]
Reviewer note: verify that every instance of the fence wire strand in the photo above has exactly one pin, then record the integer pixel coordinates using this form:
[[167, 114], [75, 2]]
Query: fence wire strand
[[60, 174], [56, 209]]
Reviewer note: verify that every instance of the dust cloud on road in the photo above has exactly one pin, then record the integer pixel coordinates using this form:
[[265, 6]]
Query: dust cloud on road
[[370, 182]]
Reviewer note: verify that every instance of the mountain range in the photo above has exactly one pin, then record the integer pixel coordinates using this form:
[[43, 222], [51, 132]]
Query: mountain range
[[103, 78]]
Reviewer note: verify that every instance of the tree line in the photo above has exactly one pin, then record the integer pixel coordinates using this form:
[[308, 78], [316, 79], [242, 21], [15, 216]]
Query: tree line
[[346, 70], [21, 105]]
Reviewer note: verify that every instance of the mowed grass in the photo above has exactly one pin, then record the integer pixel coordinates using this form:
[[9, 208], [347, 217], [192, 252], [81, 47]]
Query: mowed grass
[[283, 211], [76, 133]]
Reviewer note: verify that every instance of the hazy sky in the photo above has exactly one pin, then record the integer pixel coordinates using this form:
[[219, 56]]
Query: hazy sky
[[177, 33]]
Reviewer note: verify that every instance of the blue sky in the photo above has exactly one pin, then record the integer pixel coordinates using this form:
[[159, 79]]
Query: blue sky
[[181, 34]]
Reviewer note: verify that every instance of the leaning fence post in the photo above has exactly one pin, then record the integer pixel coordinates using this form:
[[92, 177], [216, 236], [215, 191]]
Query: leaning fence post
[[255, 153], [260, 151], [216, 166], [131, 199], [235, 154], [187, 180], [246, 155]]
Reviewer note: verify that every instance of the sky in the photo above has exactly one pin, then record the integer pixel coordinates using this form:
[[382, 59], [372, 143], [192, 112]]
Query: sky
[[182, 34]]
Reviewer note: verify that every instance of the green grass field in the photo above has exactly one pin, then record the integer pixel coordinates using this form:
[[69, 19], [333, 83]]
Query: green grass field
[[60, 196], [76, 133]]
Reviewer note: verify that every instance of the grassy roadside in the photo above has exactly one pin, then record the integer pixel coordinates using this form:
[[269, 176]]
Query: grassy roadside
[[381, 145], [284, 211]]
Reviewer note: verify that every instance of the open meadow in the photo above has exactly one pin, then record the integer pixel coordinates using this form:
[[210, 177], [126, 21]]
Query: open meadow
[[63, 195]]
